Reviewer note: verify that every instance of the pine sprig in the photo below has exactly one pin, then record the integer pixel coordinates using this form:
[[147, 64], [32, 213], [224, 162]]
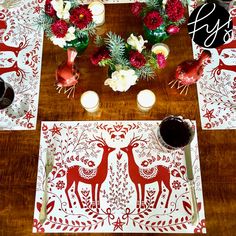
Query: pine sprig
[[106, 62], [146, 72], [153, 4], [45, 21], [74, 3], [99, 41], [116, 45], [120, 56]]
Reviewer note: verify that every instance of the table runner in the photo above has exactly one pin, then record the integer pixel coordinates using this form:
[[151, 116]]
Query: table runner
[[217, 87], [21, 43], [87, 150]]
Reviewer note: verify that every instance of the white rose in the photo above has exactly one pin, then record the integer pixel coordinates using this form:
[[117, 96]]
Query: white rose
[[164, 3], [62, 12], [121, 80], [70, 35], [136, 42], [61, 42]]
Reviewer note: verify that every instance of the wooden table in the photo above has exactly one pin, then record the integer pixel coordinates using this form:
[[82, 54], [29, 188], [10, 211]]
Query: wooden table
[[19, 149]]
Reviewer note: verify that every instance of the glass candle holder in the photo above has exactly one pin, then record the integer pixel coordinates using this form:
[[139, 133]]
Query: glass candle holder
[[98, 10], [161, 48], [145, 100], [90, 101]]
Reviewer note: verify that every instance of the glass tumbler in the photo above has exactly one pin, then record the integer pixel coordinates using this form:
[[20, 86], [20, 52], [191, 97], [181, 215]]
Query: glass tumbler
[[6, 94], [174, 132]]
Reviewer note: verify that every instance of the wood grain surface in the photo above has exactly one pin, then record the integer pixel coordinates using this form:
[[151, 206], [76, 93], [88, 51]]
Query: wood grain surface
[[19, 149]]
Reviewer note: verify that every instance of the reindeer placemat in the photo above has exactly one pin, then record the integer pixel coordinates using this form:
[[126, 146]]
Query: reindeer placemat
[[21, 43], [110, 176], [217, 87]]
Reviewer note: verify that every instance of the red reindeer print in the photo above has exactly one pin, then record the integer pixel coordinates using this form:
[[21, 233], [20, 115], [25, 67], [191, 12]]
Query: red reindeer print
[[3, 25], [16, 50], [14, 68], [139, 176], [97, 176]]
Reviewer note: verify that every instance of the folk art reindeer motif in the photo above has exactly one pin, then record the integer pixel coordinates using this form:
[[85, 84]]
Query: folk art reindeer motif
[[15, 50], [97, 176], [159, 174]]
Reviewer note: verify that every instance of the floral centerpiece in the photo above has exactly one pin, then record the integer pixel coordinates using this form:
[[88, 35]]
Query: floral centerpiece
[[161, 18], [127, 60], [67, 23]]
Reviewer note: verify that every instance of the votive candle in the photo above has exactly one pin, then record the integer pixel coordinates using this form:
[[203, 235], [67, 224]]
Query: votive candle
[[145, 100], [90, 101], [98, 10]]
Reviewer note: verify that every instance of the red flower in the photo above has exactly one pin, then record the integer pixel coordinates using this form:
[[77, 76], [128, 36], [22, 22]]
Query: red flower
[[81, 16], [59, 28], [144, 163], [172, 29], [207, 125], [60, 185], [161, 60], [151, 192], [49, 10], [136, 8], [91, 164], [174, 10], [136, 59], [44, 127], [99, 55], [201, 227], [176, 184], [38, 226], [153, 20]]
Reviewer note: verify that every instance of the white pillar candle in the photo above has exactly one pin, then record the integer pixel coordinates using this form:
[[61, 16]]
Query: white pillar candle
[[145, 100], [98, 10], [90, 101]]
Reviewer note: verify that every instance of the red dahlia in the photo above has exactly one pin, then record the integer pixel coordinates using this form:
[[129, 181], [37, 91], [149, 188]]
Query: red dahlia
[[136, 59], [174, 10], [153, 20], [100, 54], [161, 60], [49, 10], [59, 28], [81, 16], [136, 8]]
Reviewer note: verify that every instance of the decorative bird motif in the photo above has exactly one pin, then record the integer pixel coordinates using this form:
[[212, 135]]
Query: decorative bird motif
[[189, 72]]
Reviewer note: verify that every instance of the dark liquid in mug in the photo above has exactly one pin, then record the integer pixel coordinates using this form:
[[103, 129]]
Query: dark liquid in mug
[[175, 132], [6, 95]]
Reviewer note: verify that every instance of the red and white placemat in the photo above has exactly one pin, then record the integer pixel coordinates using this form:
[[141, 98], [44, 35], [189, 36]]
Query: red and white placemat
[[21, 42], [93, 186], [217, 87]]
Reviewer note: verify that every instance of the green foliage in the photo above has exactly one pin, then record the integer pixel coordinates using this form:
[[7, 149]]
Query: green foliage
[[115, 44], [146, 72], [119, 53], [99, 41], [106, 62], [45, 21], [153, 62], [153, 4], [75, 3]]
